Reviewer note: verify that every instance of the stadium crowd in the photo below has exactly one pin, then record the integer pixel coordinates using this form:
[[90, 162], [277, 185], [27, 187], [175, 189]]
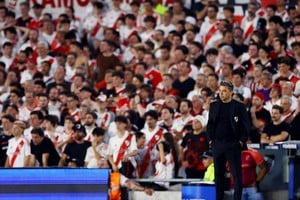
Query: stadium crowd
[[129, 85]]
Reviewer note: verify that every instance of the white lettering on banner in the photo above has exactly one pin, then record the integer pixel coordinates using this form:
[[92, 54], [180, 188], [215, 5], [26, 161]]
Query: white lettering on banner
[[60, 3], [289, 146], [55, 7], [254, 145], [272, 147]]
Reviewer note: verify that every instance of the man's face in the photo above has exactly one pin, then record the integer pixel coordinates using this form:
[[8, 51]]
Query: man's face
[[43, 101], [151, 122], [275, 115], [283, 68], [252, 9], [207, 161], [36, 139], [237, 80], [197, 125], [285, 104], [71, 103], [6, 124], [164, 54], [211, 13], [184, 108], [35, 121], [165, 114], [71, 60], [17, 130], [256, 101], [89, 120], [79, 135], [117, 81], [53, 94], [225, 93], [253, 51], [121, 126]]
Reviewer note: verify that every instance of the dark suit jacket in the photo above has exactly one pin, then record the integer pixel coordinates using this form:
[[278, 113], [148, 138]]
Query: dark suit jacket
[[239, 120]]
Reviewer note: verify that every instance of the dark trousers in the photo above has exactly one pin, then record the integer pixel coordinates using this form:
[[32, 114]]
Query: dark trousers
[[194, 173], [231, 152], [127, 169]]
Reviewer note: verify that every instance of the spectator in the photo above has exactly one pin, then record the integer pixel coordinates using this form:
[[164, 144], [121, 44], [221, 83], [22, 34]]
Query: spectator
[[276, 130], [195, 143], [5, 135], [153, 135], [43, 152], [251, 160], [184, 83], [164, 168], [75, 152], [90, 124], [208, 162], [18, 150], [259, 117], [105, 60], [185, 118], [35, 121], [122, 149], [96, 156]]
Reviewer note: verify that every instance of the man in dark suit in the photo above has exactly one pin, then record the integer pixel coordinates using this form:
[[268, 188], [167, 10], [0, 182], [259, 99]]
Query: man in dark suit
[[228, 128]]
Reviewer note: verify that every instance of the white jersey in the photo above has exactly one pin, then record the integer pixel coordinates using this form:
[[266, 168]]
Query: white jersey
[[244, 91], [179, 123], [51, 59], [26, 76], [115, 143], [7, 61], [27, 133], [166, 28], [70, 72], [153, 154], [24, 113], [49, 38], [269, 104], [145, 36], [248, 27], [91, 160], [111, 18], [89, 137], [208, 32], [165, 170], [18, 150]]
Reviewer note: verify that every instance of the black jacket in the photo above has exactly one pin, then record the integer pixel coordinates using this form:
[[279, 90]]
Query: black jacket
[[239, 119]]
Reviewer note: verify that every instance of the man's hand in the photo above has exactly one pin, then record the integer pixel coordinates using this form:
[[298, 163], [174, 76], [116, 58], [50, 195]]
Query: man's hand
[[148, 191], [115, 168], [253, 109], [241, 143]]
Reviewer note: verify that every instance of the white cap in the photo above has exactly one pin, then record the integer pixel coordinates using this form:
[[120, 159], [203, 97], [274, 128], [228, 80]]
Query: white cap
[[190, 20], [159, 102], [102, 97], [201, 119]]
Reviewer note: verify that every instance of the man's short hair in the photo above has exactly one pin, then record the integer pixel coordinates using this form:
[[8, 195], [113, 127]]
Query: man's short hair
[[9, 117], [119, 74], [98, 131], [227, 84], [38, 113], [53, 119], [38, 131], [277, 107], [151, 113], [121, 118]]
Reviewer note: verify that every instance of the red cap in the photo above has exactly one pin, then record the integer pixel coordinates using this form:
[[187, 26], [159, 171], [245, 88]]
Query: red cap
[[277, 87], [260, 95]]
